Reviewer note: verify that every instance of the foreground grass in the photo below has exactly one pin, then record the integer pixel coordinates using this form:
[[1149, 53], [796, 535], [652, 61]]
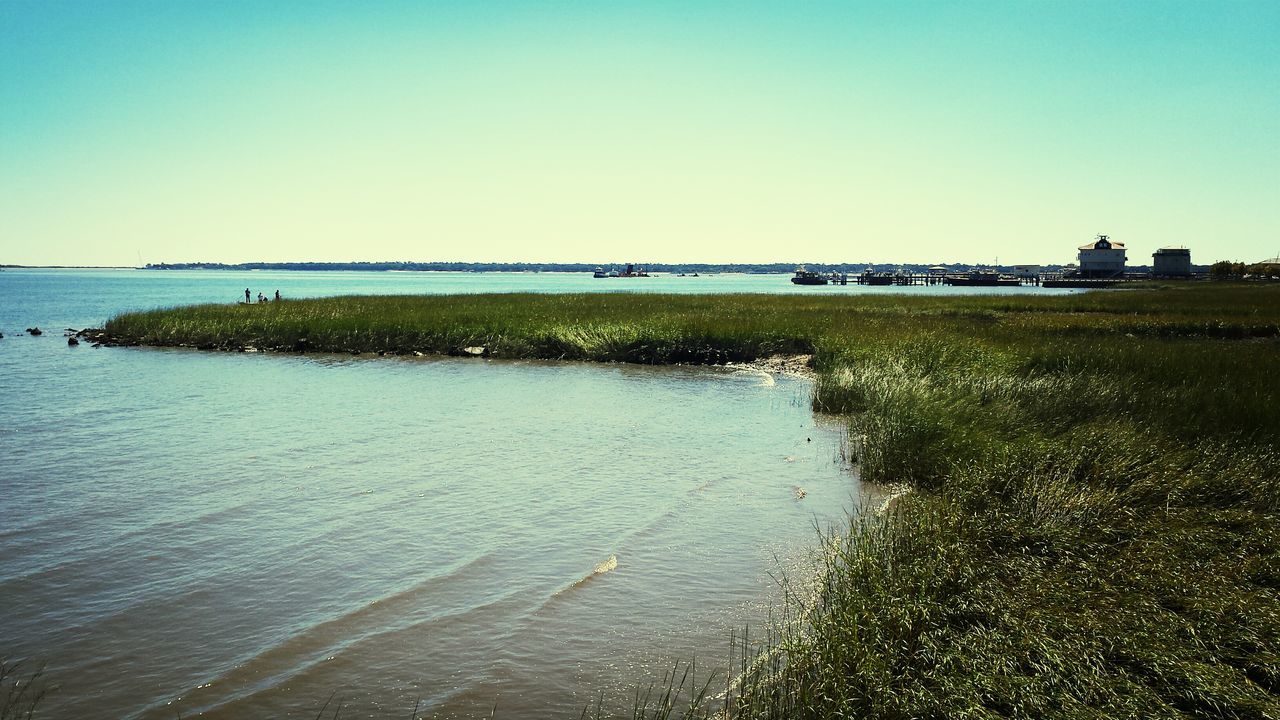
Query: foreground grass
[[21, 690], [1095, 524]]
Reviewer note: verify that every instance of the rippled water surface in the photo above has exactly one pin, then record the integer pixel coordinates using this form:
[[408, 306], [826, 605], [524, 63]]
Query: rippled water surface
[[242, 535]]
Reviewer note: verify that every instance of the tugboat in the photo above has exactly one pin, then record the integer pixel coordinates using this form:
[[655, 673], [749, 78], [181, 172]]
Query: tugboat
[[808, 277]]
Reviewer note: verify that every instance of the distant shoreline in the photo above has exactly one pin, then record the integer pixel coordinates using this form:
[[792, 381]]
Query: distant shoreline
[[778, 268], [69, 267]]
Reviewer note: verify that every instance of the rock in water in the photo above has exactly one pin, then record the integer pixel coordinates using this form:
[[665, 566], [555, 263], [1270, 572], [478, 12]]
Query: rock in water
[[72, 342], [34, 331], [474, 350]]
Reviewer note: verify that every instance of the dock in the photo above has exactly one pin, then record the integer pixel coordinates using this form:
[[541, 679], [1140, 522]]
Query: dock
[[897, 279], [1047, 280], [1085, 283], [909, 279]]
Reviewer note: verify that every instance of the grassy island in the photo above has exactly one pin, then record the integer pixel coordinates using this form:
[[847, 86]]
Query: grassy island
[[1094, 523]]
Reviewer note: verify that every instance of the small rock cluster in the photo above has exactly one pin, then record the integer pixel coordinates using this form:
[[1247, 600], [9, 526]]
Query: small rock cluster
[[96, 336]]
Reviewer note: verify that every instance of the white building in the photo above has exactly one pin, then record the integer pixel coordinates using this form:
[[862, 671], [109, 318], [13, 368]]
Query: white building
[[1102, 258], [1026, 271], [1171, 262]]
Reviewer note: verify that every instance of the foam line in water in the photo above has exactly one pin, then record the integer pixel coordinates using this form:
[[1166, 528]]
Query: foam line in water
[[601, 568], [670, 512], [71, 561], [313, 646], [605, 566], [766, 377]]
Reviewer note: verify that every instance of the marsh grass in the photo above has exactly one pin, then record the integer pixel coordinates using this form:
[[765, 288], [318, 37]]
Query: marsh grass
[[22, 689], [1095, 524]]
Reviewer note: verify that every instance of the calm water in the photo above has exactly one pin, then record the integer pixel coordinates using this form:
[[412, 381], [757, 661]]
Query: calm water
[[243, 535], [88, 297]]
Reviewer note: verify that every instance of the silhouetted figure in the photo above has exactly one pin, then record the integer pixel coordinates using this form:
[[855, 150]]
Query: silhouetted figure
[[277, 296], [246, 296]]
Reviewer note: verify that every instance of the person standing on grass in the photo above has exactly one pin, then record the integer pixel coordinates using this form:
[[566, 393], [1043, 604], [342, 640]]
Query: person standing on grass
[[246, 296], [277, 296]]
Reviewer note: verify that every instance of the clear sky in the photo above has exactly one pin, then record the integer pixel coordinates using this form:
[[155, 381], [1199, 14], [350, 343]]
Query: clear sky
[[684, 131]]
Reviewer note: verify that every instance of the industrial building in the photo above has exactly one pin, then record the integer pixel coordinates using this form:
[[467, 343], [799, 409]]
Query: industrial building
[[1171, 262]]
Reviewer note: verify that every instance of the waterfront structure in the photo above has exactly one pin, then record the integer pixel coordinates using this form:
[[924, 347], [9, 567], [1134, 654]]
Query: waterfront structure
[[871, 277], [981, 277], [1026, 272], [1102, 258], [631, 271], [1171, 262]]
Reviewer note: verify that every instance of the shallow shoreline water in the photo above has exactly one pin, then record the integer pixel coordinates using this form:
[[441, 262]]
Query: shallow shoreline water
[[240, 534]]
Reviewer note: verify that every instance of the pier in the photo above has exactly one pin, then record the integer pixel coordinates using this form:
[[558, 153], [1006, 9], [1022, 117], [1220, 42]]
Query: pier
[[900, 279], [909, 279], [972, 279], [1086, 283]]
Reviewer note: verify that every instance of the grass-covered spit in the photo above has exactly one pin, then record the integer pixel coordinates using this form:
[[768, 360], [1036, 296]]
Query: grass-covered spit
[[1095, 526]]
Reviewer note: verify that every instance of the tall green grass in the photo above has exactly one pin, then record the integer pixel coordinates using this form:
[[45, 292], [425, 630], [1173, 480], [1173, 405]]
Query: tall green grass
[[1094, 529], [22, 688]]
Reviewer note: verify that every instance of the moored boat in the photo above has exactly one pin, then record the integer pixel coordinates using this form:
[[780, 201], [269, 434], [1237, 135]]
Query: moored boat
[[631, 271], [871, 277], [808, 277]]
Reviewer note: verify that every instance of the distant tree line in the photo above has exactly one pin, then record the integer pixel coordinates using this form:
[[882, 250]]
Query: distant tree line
[[784, 267], [1225, 269]]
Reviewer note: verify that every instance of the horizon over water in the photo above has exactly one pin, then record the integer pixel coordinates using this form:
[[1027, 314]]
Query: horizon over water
[[98, 293]]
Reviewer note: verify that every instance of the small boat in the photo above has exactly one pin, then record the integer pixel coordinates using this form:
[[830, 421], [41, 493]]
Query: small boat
[[599, 273], [808, 277]]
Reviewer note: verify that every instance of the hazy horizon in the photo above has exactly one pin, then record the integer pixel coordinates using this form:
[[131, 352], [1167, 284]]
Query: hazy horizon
[[915, 132], [615, 264]]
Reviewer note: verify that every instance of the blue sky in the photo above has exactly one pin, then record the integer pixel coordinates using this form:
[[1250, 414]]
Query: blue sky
[[679, 132]]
